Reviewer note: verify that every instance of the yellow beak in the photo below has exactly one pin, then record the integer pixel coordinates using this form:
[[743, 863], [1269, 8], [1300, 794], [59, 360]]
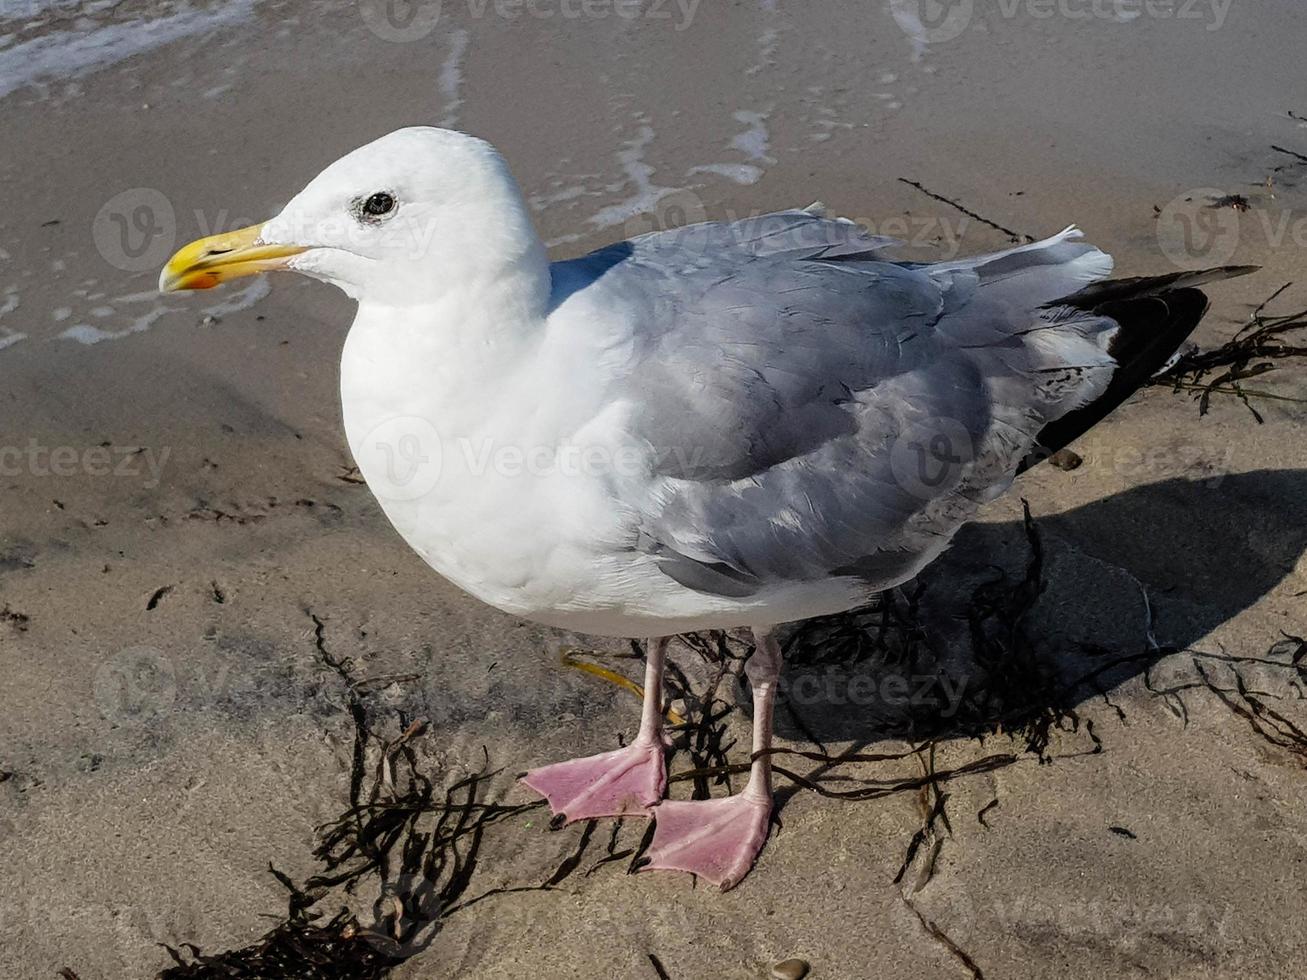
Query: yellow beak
[[210, 261]]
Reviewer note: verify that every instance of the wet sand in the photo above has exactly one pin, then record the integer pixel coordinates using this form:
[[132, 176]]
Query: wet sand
[[179, 508]]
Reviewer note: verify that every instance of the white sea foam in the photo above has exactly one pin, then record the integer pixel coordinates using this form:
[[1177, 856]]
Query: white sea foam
[[242, 299], [84, 333], [451, 77], [639, 176], [10, 303], [909, 19], [571, 192], [768, 42], [754, 141], [67, 54], [741, 173]]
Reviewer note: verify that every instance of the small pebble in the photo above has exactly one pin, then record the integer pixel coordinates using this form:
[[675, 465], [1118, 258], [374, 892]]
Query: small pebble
[[1065, 459], [793, 969]]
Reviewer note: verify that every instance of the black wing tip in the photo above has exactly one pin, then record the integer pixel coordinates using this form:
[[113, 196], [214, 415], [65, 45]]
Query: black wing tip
[[1155, 317], [1138, 287], [1152, 326]]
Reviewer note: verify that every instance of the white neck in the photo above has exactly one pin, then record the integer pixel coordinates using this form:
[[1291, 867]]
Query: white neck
[[450, 358], [475, 300]]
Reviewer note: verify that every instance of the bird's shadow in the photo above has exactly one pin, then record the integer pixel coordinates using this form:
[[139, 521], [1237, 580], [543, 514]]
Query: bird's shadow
[[1014, 624]]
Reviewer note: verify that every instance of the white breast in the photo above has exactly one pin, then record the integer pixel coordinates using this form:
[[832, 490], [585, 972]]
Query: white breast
[[467, 467], [502, 479]]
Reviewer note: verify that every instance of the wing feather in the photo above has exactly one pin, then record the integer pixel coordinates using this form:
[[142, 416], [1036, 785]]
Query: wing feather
[[813, 408]]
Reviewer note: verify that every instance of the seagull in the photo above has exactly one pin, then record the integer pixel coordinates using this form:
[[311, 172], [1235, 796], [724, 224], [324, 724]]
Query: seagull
[[727, 425]]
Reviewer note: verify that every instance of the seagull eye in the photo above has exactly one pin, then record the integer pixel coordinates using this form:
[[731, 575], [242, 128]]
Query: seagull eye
[[379, 205]]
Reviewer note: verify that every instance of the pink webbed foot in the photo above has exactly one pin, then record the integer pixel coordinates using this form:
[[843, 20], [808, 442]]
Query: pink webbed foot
[[718, 840], [625, 781]]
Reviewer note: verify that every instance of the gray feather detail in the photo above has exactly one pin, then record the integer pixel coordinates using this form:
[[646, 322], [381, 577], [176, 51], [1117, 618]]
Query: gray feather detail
[[812, 408], [712, 577]]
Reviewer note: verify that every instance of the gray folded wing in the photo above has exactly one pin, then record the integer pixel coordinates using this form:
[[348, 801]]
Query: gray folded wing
[[813, 409]]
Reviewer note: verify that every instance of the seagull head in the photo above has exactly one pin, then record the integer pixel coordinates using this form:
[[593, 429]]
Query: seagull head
[[400, 221]]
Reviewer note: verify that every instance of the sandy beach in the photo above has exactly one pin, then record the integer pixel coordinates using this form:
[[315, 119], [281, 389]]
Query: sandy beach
[[199, 599]]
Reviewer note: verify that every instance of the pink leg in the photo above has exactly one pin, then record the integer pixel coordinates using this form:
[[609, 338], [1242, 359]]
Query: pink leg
[[614, 784], [718, 840]]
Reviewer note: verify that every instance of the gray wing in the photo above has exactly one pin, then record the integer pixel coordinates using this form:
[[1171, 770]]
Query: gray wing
[[815, 409]]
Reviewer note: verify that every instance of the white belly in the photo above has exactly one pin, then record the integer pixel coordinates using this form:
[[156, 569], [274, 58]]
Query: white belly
[[515, 504]]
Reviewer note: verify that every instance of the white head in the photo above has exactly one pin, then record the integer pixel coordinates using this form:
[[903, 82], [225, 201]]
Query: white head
[[400, 221]]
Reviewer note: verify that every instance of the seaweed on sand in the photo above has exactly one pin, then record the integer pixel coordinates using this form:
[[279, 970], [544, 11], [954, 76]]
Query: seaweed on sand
[[1260, 346], [422, 876], [1270, 723], [1011, 687], [1018, 692], [707, 708], [416, 846]]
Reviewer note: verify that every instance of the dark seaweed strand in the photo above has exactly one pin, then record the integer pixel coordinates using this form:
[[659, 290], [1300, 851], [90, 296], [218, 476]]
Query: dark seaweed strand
[[1266, 343]]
